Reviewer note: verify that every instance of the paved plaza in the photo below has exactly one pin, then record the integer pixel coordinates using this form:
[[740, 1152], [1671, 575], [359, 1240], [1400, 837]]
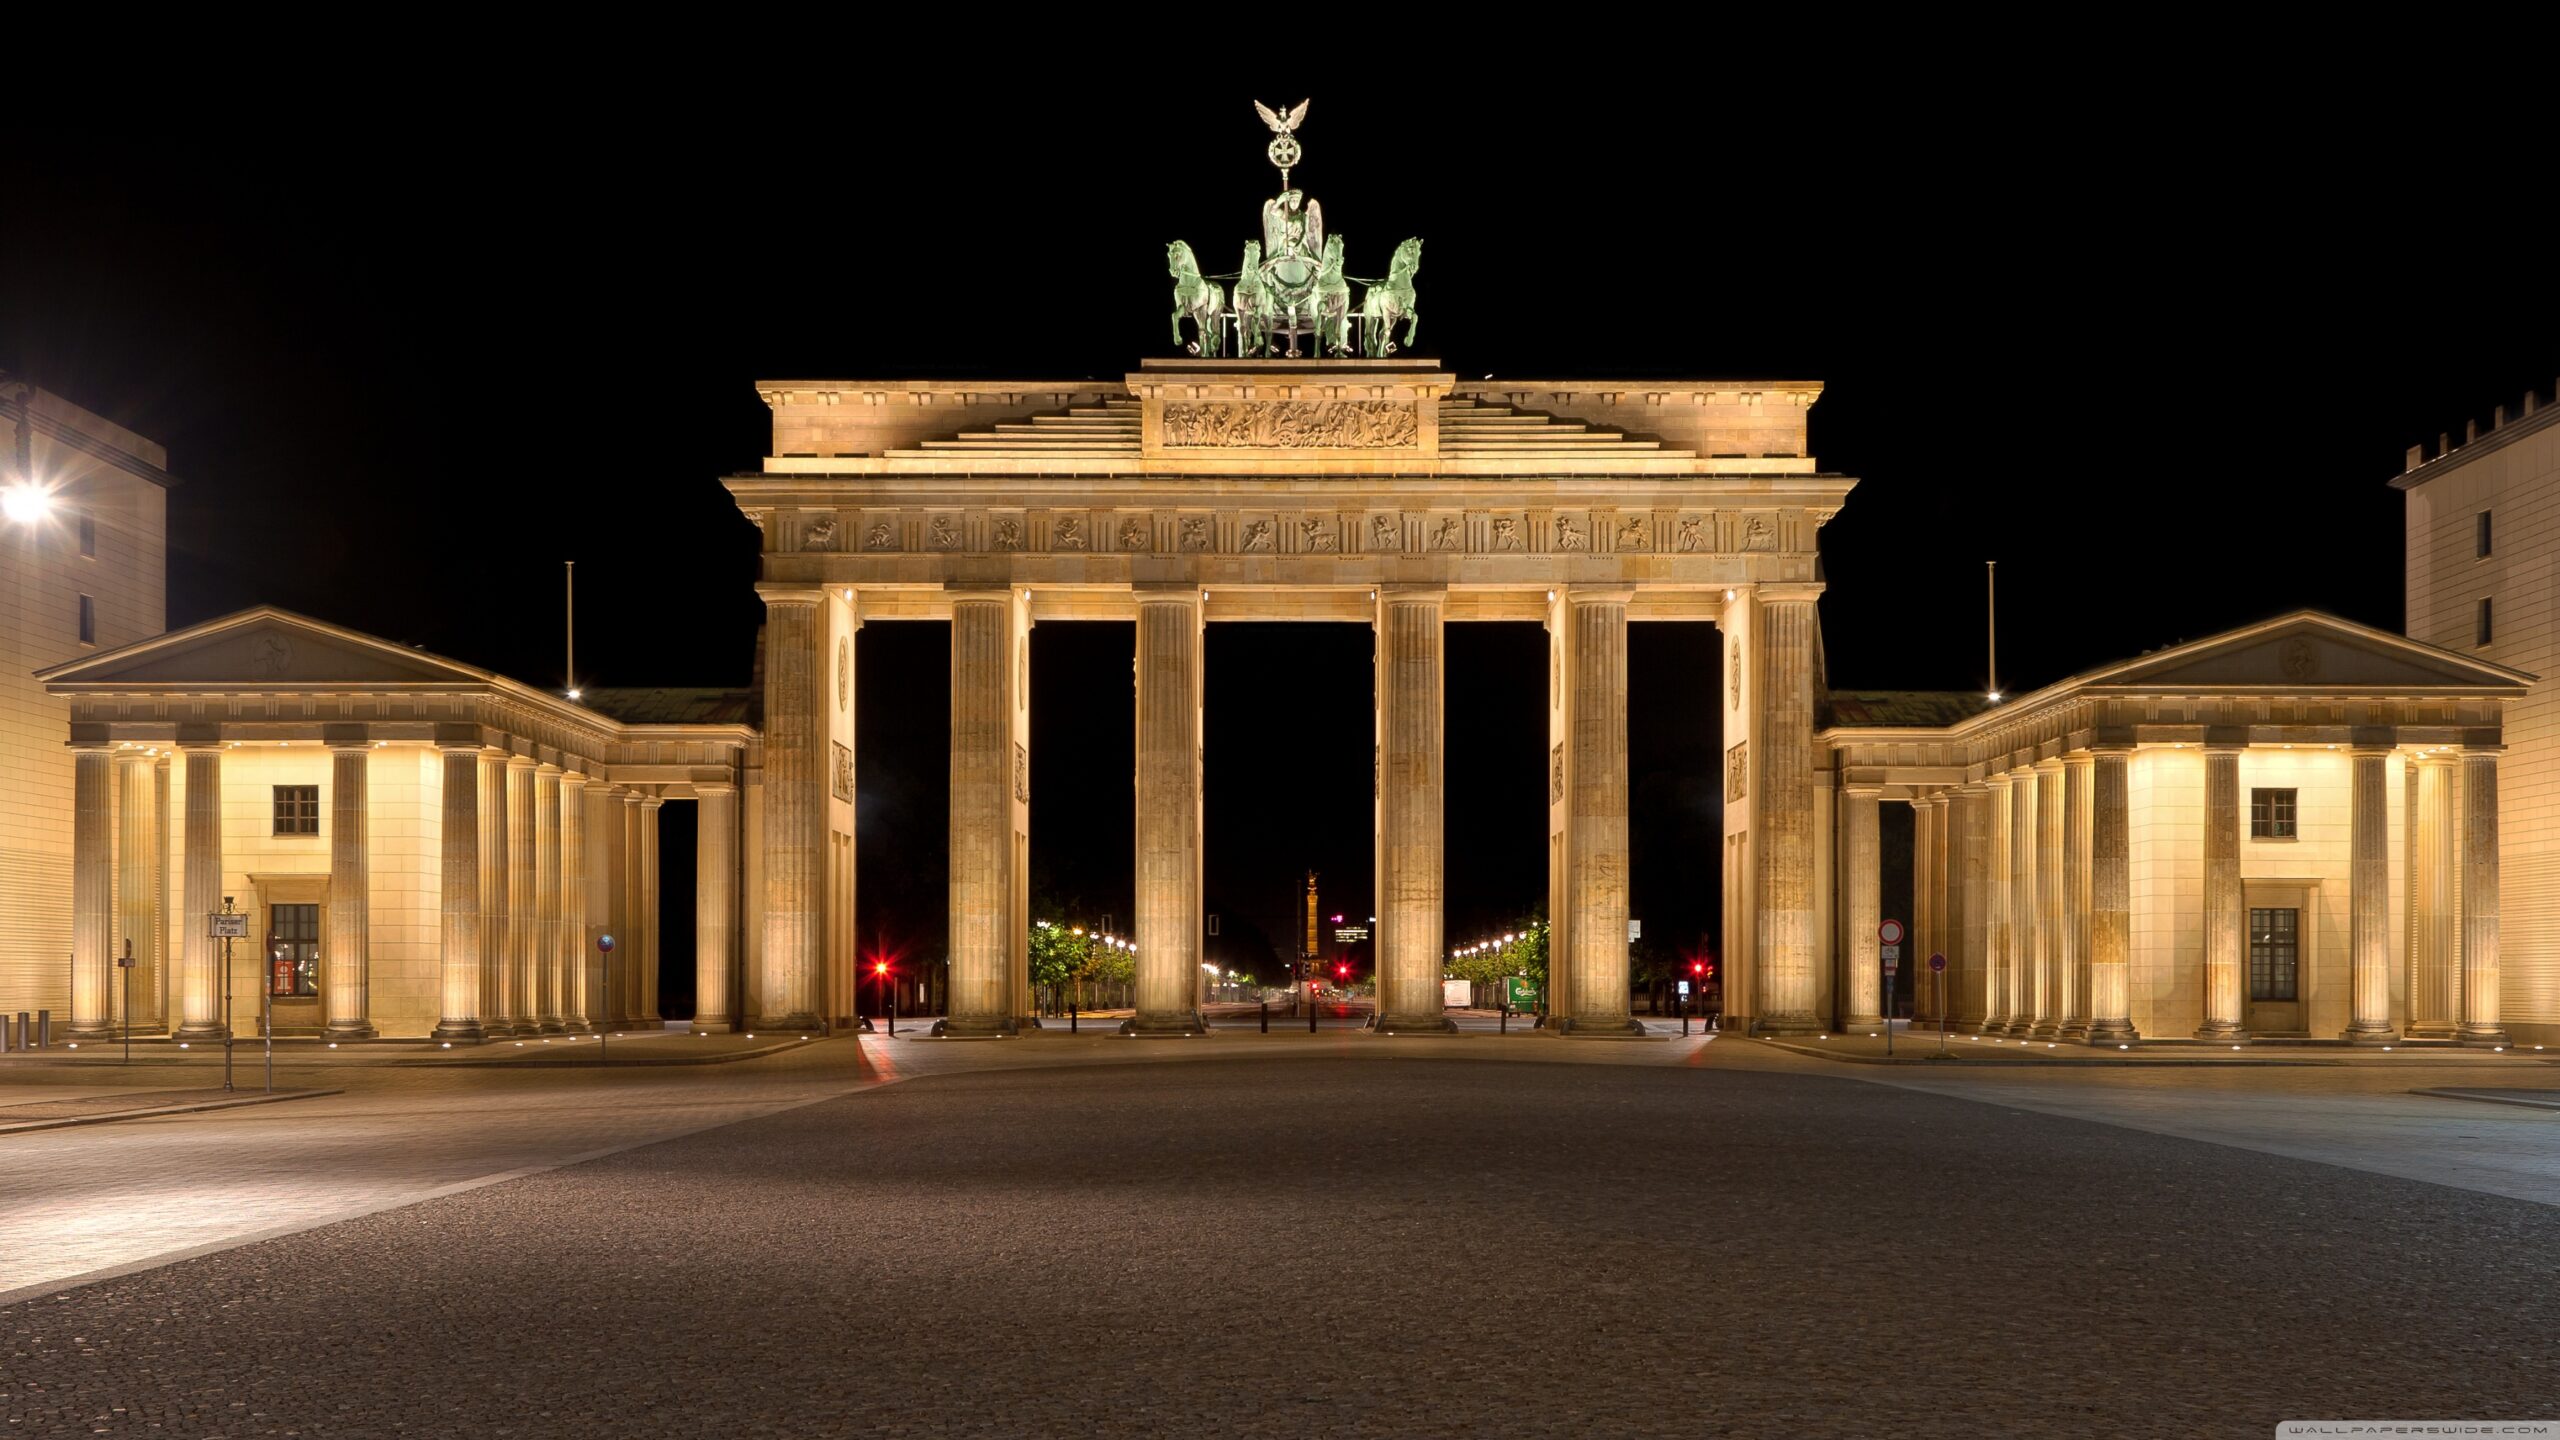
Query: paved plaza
[[1282, 1235]]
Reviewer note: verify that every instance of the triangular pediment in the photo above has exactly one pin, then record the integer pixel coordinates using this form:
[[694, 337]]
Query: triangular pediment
[[2308, 649], [263, 647]]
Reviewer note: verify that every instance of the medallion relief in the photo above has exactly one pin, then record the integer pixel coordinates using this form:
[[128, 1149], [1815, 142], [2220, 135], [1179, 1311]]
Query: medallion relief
[[843, 771], [1737, 771], [1291, 424]]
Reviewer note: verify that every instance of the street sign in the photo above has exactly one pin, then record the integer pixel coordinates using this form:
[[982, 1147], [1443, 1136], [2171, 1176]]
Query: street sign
[[1213, 922], [1938, 962], [124, 962], [1890, 932], [1892, 957], [1520, 994], [1635, 930], [219, 926]]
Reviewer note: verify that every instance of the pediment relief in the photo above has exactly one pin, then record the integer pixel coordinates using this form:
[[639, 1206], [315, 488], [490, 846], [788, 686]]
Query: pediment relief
[[2307, 651], [266, 649]]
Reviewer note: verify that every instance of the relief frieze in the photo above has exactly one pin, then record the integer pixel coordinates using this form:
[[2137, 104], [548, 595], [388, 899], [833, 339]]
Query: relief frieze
[[1292, 424]]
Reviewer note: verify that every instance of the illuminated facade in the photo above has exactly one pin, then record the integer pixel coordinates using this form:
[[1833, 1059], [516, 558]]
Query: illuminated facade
[[83, 545]]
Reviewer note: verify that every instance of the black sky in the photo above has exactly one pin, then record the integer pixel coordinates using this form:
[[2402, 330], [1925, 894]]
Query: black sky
[[2155, 345]]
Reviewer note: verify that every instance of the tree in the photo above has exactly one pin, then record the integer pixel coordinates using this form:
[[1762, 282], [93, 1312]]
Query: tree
[[1059, 953]]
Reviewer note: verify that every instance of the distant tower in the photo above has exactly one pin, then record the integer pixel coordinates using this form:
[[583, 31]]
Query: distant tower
[[1310, 949]]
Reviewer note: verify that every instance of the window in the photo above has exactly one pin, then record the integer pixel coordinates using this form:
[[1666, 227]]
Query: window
[[2482, 630], [2274, 950], [297, 809], [2271, 815], [89, 536], [2481, 538], [293, 945], [88, 620]]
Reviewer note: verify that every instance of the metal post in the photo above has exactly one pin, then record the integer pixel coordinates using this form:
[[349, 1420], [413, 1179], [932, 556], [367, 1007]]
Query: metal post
[[125, 963], [1506, 1014], [893, 1005], [1266, 1014], [267, 1030], [1071, 1014]]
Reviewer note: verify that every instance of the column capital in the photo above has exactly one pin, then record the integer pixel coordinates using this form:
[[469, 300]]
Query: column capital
[[651, 802], [778, 594], [2487, 751], [2079, 758], [545, 767], [1930, 800], [519, 762], [714, 787], [2050, 762], [1776, 592], [1857, 789], [2372, 752]]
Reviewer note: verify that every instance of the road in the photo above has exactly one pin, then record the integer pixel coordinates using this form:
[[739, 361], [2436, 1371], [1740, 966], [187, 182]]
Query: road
[[1523, 1237]]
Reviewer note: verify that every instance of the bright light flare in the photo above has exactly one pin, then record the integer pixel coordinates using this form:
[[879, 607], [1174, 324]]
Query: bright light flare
[[25, 504]]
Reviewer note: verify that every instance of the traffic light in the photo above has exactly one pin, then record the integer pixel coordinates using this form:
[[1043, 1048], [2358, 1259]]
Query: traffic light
[[1698, 968], [1342, 972], [879, 967]]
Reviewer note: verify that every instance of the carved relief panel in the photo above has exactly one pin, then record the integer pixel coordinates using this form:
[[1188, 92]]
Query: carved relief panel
[[1737, 772]]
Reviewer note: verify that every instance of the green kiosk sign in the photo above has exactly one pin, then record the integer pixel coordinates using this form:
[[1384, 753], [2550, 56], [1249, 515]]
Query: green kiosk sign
[[1519, 994]]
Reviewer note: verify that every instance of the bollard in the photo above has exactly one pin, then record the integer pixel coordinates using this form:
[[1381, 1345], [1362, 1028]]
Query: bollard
[[1506, 1017], [1071, 1017], [44, 1029], [1266, 1017], [1311, 1015]]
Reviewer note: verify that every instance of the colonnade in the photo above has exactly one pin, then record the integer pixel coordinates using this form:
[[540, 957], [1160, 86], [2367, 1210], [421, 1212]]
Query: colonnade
[[1588, 896], [2022, 878], [536, 862]]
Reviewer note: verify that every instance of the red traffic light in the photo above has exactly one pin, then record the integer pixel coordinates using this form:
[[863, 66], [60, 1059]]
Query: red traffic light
[[1342, 971], [880, 967], [1697, 967], [1710, 970]]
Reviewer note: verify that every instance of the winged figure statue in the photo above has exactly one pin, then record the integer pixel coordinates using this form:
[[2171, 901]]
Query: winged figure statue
[[1281, 124]]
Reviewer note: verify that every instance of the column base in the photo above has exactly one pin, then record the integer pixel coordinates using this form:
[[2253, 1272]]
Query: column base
[[1023, 1024], [350, 1030], [550, 1027], [801, 1021], [2430, 1031], [1165, 1023], [1863, 1022], [2371, 1035], [2113, 1032], [206, 1030], [1786, 1025], [1617, 1027], [2481, 1037], [466, 1032], [2225, 1030], [577, 1027], [2045, 1030], [2075, 1032], [976, 1027], [708, 1024], [1425, 1023]]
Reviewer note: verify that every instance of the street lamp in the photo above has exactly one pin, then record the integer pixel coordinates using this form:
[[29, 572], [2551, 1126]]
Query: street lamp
[[26, 502]]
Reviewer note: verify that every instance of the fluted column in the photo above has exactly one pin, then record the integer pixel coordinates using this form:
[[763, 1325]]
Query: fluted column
[[1168, 794], [1931, 910], [458, 969], [2026, 928], [2052, 997], [200, 968], [495, 936], [2480, 1018], [598, 833], [647, 988], [93, 892], [1997, 933], [1408, 810], [2225, 914], [524, 907], [795, 810], [1861, 1004], [2435, 968], [981, 887], [2111, 898], [715, 903], [137, 877], [1785, 936], [633, 955], [2369, 895], [542, 958], [1969, 811], [578, 1011], [1026, 1006], [346, 959], [2074, 934]]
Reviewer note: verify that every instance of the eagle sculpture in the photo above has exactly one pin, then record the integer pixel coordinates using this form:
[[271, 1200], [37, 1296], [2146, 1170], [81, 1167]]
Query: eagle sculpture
[[1281, 124]]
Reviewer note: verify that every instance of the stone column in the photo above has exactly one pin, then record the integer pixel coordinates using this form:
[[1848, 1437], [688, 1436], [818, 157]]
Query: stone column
[[542, 958], [601, 828], [200, 969], [2435, 973], [1933, 912], [578, 1010], [346, 956], [2074, 933], [2369, 895], [1785, 843], [1997, 934], [795, 810], [1169, 917], [2480, 1022], [634, 954], [1862, 854], [1969, 889], [981, 889], [458, 970], [2111, 898], [524, 908], [495, 872], [2225, 914], [715, 903], [137, 879], [2026, 929], [647, 987], [93, 892], [1409, 781], [1026, 1005], [2052, 997]]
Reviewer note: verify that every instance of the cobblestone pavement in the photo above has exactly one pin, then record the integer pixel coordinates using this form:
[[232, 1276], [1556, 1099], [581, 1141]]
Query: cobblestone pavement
[[1038, 1240]]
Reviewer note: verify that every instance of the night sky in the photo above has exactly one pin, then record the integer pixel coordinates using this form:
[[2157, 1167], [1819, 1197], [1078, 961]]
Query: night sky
[[2158, 357]]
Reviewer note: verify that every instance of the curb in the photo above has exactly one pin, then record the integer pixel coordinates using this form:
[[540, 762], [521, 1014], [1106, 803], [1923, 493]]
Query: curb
[[2487, 1098], [558, 1062], [156, 1111], [2085, 1062]]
